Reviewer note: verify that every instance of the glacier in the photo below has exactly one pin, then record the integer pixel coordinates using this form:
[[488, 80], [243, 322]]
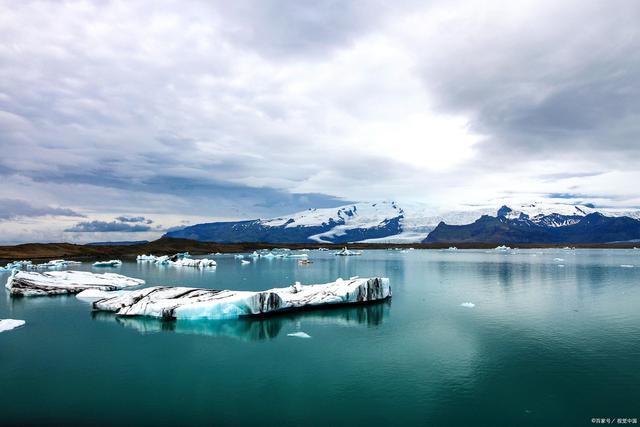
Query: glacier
[[31, 283], [194, 303], [386, 222]]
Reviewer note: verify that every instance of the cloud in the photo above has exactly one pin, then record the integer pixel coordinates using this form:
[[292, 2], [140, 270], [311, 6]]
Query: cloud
[[13, 209], [244, 109], [107, 227], [134, 219]]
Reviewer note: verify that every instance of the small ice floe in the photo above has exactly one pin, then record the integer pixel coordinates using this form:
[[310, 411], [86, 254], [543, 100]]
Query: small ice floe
[[238, 256], [300, 256], [56, 263], [110, 263], [9, 324], [244, 262], [560, 265], [346, 252], [626, 266], [467, 304], [93, 294], [558, 259], [452, 248], [299, 335], [190, 262], [502, 248], [146, 258]]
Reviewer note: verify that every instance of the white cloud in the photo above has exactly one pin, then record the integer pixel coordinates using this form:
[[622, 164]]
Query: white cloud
[[225, 108]]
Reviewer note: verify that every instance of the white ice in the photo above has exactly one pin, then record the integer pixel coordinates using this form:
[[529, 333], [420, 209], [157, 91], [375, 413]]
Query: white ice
[[467, 304], [299, 335], [194, 303], [9, 324], [110, 263], [31, 283]]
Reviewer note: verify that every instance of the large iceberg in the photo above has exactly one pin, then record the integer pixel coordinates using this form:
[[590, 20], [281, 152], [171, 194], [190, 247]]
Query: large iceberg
[[31, 283], [194, 303]]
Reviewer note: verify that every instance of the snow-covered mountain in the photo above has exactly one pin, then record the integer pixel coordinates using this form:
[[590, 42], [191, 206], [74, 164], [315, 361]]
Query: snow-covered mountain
[[387, 222]]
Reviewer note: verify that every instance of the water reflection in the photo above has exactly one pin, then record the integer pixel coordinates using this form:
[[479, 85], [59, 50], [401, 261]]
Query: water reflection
[[257, 329]]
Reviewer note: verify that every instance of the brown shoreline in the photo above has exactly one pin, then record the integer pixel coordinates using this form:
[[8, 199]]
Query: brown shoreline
[[168, 246]]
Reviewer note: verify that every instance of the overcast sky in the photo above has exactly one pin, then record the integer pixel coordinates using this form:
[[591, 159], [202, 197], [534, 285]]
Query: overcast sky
[[166, 113]]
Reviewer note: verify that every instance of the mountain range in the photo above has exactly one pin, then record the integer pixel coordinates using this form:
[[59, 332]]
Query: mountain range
[[388, 222]]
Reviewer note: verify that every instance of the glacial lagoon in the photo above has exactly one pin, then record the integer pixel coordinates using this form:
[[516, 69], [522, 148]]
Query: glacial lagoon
[[470, 337]]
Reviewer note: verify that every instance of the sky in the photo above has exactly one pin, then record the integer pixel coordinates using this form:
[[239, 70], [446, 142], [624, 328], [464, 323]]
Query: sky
[[120, 120]]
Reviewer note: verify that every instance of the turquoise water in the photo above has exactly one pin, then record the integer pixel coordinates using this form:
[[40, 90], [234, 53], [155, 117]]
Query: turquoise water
[[544, 345]]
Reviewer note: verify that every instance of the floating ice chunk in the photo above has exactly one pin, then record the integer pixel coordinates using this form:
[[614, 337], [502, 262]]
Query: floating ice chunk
[[238, 256], [299, 335], [93, 294], [9, 324], [502, 248], [300, 256], [31, 283], [452, 248], [560, 265], [194, 303], [626, 265], [110, 263], [558, 259], [245, 262], [162, 260], [346, 252], [146, 258], [56, 263], [467, 304], [190, 262]]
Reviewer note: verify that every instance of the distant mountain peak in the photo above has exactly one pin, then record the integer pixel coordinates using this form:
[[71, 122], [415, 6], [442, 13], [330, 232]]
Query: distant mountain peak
[[389, 221]]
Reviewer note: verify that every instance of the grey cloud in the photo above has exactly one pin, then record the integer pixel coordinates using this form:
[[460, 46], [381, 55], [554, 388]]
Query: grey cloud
[[12, 209], [561, 81], [106, 227], [134, 219]]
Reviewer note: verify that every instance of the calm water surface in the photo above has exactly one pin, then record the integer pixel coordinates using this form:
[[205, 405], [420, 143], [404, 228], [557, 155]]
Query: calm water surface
[[553, 339]]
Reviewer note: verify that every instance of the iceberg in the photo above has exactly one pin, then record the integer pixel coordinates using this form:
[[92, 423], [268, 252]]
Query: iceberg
[[467, 304], [502, 248], [190, 262], [9, 324], [299, 335], [28, 265], [346, 252], [110, 263], [244, 262], [31, 283], [194, 303], [146, 258]]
